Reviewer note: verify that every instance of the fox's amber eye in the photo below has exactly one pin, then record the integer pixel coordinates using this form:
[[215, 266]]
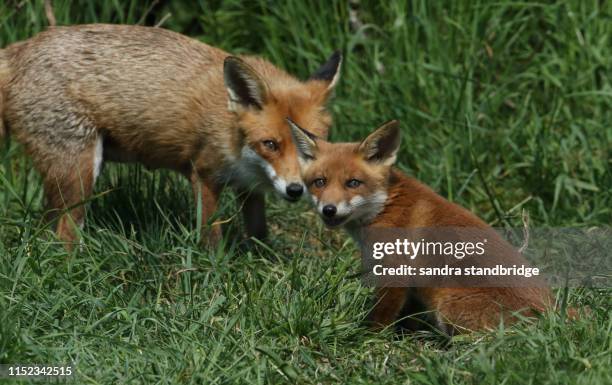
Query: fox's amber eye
[[270, 145], [353, 183], [319, 182]]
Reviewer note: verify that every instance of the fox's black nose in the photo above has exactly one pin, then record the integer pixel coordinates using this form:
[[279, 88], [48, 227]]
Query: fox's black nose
[[329, 210], [295, 190]]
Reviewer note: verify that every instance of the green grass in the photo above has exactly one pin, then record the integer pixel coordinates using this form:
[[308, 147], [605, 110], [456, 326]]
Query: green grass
[[504, 106]]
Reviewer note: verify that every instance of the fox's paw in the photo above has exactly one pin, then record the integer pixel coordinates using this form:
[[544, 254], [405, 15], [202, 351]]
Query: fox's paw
[[211, 237]]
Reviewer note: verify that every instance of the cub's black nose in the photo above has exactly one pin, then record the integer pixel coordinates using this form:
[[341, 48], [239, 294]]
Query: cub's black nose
[[329, 210], [295, 190]]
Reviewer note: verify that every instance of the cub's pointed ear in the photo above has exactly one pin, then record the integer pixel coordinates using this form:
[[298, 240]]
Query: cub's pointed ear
[[329, 72], [244, 86], [305, 142], [382, 145]]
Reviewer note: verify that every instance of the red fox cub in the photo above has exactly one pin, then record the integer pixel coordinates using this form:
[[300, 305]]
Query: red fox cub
[[77, 96], [355, 186]]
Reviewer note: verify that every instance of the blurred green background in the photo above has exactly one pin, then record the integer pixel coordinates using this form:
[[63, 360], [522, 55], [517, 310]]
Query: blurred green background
[[518, 91]]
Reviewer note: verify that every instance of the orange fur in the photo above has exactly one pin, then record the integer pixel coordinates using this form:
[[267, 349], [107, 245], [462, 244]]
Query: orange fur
[[156, 97], [407, 204]]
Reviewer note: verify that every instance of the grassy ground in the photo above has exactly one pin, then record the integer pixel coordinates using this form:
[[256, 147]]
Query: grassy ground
[[504, 106]]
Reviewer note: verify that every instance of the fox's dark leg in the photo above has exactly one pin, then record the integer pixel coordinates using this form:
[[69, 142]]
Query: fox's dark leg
[[207, 192], [254, 214], [69, 178], [389, 304]]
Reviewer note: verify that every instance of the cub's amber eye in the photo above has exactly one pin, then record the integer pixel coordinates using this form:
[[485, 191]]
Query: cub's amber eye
[[270, 145], [353, 183], [319, 182]]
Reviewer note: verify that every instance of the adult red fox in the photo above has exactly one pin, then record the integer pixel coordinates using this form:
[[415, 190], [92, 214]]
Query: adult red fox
[[354, 185], [77, 96]]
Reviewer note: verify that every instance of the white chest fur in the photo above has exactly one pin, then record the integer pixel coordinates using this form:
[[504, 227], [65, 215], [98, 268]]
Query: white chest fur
[[247, 171]]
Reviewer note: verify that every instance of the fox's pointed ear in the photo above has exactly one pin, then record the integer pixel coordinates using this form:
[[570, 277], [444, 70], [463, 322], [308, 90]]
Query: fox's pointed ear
[[382, 145], [244, 86], [329, 72], [305, 142]]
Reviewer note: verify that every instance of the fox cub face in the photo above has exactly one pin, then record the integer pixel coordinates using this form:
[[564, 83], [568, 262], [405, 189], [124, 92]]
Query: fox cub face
[[262, 105], [347, 181]]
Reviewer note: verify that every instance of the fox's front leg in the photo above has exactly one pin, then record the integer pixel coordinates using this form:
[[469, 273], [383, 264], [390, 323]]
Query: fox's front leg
[[206, 193], [254, 214], [389, 304]]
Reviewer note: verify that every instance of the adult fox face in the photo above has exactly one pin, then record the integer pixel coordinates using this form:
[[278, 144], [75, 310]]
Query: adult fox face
[[262, 105], [348, 181]]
